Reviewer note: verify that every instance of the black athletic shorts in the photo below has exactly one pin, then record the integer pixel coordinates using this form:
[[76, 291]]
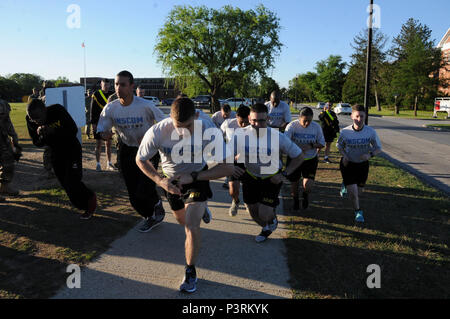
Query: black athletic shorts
[[329, 136], [199, 191], [355, 173], [258, 190], [307, 170]]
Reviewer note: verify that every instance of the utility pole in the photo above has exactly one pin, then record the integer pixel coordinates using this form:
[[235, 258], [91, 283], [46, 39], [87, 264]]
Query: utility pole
[[368, 65]]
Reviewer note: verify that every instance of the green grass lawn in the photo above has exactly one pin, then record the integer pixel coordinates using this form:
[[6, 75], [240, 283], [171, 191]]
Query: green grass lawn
[[406, 113], [406, 233], [18, 113]]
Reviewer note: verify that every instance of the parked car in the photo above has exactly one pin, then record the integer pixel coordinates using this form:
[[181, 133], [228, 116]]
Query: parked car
[[235, 102], [320, 105], [343, 108], [442, 104], [167, 101], [152, 98], [202, 101]]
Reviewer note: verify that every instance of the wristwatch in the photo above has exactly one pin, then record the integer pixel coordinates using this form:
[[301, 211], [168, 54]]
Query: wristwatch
[[194, 176]]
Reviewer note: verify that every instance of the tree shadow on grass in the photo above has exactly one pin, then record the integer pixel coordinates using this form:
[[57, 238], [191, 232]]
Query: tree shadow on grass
[[406, 232], [339, 271]]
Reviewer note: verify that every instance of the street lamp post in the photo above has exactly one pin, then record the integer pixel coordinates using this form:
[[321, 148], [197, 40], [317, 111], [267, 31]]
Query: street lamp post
[[368, 65]]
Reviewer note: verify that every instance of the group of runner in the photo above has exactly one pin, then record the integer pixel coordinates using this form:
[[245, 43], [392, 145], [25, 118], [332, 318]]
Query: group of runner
[[242, 140]]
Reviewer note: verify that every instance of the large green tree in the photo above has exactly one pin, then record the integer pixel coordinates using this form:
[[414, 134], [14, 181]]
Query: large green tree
[[416, 65], [354, 87], [301, 88], [330, 78], [216, 45], [26, 82]]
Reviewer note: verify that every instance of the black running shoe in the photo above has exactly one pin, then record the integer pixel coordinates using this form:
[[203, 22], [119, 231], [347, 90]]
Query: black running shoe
[[148, 224], [207, 216], [189, 283], [264, 234], [305, 201], [296, 205], [159, 211]]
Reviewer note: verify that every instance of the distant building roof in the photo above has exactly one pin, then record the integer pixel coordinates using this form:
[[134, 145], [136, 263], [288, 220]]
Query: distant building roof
[[444, 39]]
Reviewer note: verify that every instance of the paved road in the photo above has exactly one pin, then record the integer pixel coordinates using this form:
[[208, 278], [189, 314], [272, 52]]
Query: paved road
[[422, 151]]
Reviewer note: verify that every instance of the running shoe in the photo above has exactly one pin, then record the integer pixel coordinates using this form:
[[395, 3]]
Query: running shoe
[[98, 168], [327, 160], [359, 216], [274, 224], [148, 224], [189, 283], [110, 167], [207, 216], [233, 209], [159, 211], [265, 233], [343, 191], [92, 206], [305, 201], [296, 205]]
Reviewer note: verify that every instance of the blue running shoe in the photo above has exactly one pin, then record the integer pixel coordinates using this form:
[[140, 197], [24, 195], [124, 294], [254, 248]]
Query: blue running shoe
[[207, 216], [343, 191], [359, 216], [189, 283]]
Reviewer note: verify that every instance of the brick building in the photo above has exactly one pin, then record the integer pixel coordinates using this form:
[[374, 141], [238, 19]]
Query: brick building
[[159, 87], [444, 73]]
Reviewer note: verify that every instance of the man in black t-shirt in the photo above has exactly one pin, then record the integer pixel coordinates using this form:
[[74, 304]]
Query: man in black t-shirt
[[330, 127], [53, 126], [98, 102]]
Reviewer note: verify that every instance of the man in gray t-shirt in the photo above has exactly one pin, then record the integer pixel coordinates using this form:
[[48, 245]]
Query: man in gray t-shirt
[[182, 143], [357, 143], [132, 116], [258, 147], [279, 113]]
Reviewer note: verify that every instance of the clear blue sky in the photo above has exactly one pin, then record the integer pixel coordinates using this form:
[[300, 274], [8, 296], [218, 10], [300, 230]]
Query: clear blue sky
[[122, 34]]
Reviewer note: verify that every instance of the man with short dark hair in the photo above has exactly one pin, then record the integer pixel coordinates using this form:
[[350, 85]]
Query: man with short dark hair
[[330, 127], [132, 116], [261, 182], [54, 127], [187, 176], [98, 102], [140, 91], [308, 135], [357, 144], [34, 95], [228, 127], [279, 113], [225, 113]]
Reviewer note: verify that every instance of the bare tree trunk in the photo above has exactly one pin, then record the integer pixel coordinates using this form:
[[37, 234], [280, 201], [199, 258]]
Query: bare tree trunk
[[215, 104], [376, 99], [415, 106]]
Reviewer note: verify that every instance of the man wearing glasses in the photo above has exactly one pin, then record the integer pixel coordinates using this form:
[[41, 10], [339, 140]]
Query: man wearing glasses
[[261, 181]]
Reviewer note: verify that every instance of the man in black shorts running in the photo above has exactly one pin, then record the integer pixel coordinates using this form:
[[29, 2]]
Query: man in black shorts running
[[357, 144], [187, 177], [309, 137]]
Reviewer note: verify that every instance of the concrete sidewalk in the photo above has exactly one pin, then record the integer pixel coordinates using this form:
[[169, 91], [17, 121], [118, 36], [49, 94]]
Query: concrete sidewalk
[[230, 265]]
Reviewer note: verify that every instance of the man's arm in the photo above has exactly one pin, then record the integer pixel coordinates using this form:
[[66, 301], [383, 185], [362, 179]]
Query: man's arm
[[32, 131], [166, 183]]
